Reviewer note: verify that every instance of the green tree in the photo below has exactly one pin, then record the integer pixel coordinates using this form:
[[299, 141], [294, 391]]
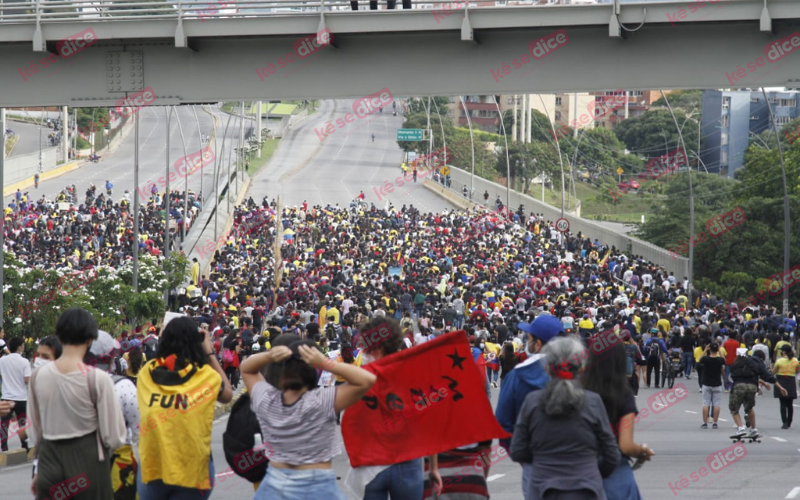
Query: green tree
[[686, 100], [653, 133]]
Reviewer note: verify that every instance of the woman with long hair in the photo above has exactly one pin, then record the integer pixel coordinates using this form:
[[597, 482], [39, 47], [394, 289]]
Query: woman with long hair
[[785, 369], [298, 418], [564, 432], [67, 399], [508, 360], [606, 376], [178, 391]]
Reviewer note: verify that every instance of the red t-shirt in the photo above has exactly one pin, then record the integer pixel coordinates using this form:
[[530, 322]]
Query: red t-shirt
[[730, 347]]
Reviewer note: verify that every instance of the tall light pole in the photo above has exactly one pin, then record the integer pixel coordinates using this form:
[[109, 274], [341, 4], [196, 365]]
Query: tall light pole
[[472, 142], [200, 140], [169, 110], [508, 163], [691, 201], [786, 219], [560, 159], [185, 183], [136, 206]]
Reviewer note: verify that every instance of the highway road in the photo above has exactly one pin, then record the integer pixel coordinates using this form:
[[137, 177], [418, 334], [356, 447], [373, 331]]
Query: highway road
[[117, 166]]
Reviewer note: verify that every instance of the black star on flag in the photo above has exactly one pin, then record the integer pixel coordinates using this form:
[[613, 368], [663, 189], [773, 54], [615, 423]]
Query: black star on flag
[[457, 360]]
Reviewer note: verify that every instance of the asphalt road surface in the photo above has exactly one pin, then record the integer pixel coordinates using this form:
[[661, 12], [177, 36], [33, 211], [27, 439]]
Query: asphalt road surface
[[320, 168], [682, 448], [117, 166], [28, 137]]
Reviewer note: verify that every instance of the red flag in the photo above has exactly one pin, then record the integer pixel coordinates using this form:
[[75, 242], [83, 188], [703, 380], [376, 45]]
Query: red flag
[[428, 399]]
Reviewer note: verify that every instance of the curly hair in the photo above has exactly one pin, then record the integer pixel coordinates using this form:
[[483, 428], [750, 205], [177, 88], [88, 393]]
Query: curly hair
[[182, 338], [384, 345]]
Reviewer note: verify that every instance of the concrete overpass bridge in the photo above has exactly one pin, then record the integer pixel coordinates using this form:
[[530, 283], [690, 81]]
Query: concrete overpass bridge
[[262, 49]]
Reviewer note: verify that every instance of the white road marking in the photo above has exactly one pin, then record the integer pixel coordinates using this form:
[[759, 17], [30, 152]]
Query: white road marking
[[779, 439], [226, 473], [794, 492], [498, 476], [722, 420], [692, 412], [796, 406]]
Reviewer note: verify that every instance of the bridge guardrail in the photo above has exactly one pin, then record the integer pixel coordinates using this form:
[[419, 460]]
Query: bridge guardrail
[[44, 12]]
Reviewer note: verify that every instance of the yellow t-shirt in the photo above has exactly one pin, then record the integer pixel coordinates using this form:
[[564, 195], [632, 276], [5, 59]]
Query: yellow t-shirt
[[665, 323], [175, 424], [786, 367], [698, 353]]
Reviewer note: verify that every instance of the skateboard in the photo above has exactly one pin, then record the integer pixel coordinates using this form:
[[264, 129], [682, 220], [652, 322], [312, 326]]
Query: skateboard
[[741, 439]]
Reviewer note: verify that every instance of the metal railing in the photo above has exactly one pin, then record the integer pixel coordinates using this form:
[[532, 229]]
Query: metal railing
[[98, 11]]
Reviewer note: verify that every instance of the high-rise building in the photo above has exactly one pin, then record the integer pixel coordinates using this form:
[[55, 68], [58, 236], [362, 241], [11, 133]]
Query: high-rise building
[[732, 118]]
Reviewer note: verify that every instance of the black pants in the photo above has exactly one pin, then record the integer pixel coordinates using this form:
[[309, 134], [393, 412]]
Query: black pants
[[233, 376], [20, 411], [653, 363], [787, 410], [634, 381]]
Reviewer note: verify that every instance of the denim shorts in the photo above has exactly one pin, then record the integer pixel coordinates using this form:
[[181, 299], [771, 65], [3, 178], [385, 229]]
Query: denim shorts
[[291, 484], [712, 396]]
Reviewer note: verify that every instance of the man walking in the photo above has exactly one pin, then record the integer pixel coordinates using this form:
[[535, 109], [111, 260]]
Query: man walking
[[656, 351], [711, 377], [15, 371], [526, 377]]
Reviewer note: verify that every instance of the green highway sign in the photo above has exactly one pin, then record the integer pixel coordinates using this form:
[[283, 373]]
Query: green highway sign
[[409, 134]]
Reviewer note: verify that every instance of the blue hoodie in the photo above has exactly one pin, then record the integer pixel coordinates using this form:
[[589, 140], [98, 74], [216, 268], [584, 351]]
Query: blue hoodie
[[524, 378]]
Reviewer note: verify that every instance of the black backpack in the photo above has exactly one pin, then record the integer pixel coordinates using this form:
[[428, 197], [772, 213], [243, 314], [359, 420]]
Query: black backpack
[[742, 368], [654, 349], [238, 441]]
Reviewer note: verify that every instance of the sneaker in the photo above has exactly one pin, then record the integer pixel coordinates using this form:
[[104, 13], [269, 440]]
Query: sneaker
[[753, 433], [700, 390], [784, 426], [714, 426], [704, 426], [740, 432]]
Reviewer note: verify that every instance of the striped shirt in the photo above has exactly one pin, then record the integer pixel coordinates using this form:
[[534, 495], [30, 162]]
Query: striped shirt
[[301, 433]]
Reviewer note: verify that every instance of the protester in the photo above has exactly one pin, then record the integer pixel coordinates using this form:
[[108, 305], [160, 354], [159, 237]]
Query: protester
[[712, 375], [48, 350], [297, 418], [15, 371], [177, 394], [605, 375], [68, 400], [527, 377], [563, 432], [786, 369]]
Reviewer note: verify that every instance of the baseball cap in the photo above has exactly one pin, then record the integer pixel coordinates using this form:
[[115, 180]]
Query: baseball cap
[[544, 328]]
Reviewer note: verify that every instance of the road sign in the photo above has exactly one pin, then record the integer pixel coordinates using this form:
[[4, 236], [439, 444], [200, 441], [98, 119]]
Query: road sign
[[409, 134], [620, 171], [445, 171], [562, 225]]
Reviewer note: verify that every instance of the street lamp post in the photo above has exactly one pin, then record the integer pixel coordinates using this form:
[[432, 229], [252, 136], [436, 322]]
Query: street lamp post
[[472, 142]]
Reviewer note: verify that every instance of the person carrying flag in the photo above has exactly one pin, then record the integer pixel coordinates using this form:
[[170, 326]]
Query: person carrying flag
[[525, 378]]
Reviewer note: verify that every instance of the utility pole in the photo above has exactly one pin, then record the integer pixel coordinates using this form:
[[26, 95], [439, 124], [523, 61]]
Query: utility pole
[[258, 128], [514, 122], [136, 208], [786, 218], [2, 229], [168, 109]]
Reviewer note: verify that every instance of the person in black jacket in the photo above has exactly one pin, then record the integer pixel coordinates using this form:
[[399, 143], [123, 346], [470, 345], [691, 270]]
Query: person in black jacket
[[747, 373]]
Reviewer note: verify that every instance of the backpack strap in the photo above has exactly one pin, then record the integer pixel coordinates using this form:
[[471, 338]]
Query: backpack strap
[[91, 377]]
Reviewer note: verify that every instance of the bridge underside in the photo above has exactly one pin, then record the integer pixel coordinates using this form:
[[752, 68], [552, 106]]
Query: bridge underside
[[407, 61]]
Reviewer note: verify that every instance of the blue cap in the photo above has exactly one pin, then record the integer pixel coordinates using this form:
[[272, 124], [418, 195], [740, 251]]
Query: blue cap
[[544, 328]]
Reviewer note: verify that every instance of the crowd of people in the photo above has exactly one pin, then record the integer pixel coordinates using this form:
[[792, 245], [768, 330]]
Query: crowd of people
[[60, 232], [530, 299]]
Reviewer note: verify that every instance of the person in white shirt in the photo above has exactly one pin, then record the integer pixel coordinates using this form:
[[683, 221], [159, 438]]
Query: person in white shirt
[[3, 346], [16, 372]]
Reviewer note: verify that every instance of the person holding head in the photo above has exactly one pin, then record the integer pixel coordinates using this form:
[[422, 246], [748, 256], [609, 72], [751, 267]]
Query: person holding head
[[75, 415], [400, 480], [178, 391], [15, 371], [298, 418], [785, 369], [528, 376], [563, 431], [605, 375]]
